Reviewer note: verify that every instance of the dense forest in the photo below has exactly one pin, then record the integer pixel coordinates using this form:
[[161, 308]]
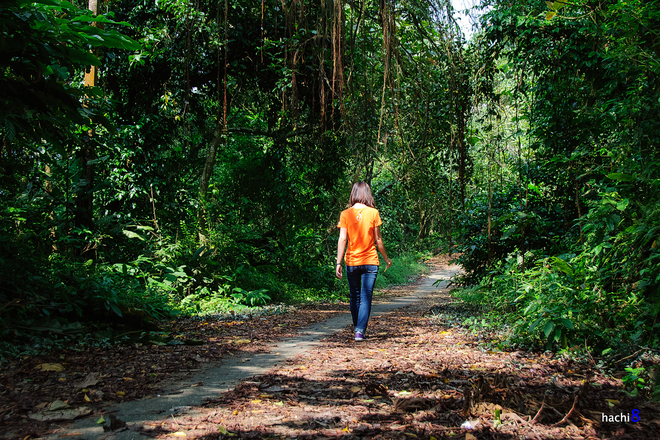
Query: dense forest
[[164, 157]]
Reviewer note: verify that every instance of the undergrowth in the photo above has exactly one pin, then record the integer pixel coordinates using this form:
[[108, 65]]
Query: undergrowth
[[142, 293]]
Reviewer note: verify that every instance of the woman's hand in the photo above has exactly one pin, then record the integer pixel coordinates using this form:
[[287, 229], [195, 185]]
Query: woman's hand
[[381, 247], [338, 271]]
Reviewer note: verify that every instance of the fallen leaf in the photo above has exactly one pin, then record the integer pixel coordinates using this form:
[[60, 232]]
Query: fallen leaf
[[115, 424], [256, 401], [412, 404], [273, 389], [120, 394], [100, 421], [355, 389], [47, 415], [87, 399], [178, 434], [58, 404], [469, 436], [241, 341], [222, 430], [193, 342], [90, 380], [50, 367]]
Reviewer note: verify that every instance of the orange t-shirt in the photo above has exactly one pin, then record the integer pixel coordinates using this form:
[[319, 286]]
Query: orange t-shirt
[[360, 224]]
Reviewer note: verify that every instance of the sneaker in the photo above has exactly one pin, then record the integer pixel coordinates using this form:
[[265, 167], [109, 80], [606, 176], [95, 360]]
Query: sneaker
[[359, 336]]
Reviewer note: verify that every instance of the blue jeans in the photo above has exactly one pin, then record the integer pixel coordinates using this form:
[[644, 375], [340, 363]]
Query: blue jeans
[[361, 281]]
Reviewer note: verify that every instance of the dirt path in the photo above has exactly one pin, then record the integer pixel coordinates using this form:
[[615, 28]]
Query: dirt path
[[184, 397], [421, 374]]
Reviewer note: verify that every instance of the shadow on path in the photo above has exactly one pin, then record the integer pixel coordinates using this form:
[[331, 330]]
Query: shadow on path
[[182, 396]]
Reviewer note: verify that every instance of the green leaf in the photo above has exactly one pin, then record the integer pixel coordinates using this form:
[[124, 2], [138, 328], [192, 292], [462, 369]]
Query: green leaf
[[10, 129], [557, 5], [621, 205], [535, 324], [560, 264], [548, 328], [568, 324], [557, 334], [509, 231], [198, 252], [621, 176], [82, 57], [45, 2], [98, 19], [131, 234], [115, 309], [550, 15]]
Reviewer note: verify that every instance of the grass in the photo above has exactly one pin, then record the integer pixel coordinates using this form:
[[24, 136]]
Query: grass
[[404, 269]]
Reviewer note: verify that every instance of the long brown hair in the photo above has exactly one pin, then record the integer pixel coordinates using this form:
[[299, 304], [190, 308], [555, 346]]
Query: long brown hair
[[361, 193]]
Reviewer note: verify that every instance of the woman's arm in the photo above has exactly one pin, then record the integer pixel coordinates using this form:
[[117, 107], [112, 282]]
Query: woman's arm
[[341, 245], [381, 246]]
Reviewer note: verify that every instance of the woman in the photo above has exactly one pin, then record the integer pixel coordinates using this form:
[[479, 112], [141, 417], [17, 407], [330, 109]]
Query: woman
[[360, 224]]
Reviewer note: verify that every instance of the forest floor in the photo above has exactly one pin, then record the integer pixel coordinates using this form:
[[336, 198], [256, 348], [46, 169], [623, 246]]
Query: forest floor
[[420, 374]]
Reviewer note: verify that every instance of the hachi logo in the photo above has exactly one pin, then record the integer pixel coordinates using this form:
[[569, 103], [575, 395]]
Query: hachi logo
[[619, 418], [358, 217]]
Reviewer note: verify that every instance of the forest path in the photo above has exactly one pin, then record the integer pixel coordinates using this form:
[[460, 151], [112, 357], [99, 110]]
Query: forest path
[[184, 396]]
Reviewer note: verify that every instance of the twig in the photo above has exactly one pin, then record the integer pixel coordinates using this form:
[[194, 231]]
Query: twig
[[153, 205], [628, 357], [538, 413], [128, 333], [593, 362], [569, 413]]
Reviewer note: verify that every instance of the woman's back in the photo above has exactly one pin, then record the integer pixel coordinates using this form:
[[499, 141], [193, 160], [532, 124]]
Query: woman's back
[[360, 221]]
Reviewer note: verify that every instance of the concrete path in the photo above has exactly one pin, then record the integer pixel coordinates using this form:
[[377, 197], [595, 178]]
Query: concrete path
[[183, 397]]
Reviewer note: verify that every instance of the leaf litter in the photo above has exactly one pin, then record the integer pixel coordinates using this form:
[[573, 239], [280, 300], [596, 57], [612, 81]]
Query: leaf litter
[[420, 374]]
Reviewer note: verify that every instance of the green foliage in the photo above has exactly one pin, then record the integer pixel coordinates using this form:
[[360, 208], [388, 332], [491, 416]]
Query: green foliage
[[404, 269], [633, 379], [207, 171], [45, 44], [560, 232]]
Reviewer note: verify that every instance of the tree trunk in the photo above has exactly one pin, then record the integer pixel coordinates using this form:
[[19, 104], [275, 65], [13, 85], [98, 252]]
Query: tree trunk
[[205, 180], [84, 212], [219, 133]]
